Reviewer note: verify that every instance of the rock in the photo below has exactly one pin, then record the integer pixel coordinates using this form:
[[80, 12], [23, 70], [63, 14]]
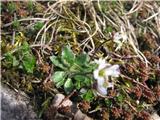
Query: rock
[[15, 106], [64, 109], [155, 116], [58, 99], [80, 116]]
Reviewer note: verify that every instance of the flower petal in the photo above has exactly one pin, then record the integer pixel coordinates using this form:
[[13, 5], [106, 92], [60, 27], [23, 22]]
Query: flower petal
[[112, 71], [102, 90], [110, 85], [96, 74], [102, 63], [100, 81], [99, 61]]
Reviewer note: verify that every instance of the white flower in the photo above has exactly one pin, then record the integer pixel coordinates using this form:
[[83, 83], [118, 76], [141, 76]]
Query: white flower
[[103, 89], [101, 75], [113, 70]]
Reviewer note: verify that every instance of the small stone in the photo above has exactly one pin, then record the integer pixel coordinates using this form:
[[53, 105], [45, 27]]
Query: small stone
[[58, 101], [155, 116], [15, 106]]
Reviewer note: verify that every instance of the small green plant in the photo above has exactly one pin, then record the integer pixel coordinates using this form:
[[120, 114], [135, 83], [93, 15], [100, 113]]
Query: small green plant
[[38, 25], [16, 24], [30, 5], [72, 71], [23, 58], [11, 7]]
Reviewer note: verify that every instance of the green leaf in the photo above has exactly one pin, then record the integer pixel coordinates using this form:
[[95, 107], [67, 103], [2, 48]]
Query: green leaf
[[90, 67], [82, 81], [67, 56], [88, 96], [38, 25], [25, 47], [60, 83], [16, 24], [15, 61], [57, 63], [87, 81], [11, 7], [59, 77], [79, 77], [9, 59], [75, 68], [82, 59], [109, 29], [120, 98], [68, 86], [78, 85], [28, 59], [30, 5], [108, 102], [29, 62]]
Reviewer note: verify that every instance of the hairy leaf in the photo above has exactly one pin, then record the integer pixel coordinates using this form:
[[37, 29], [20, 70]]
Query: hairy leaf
[[88, 96], [29, 62], [68, 86], [67, 56], [82, 59], [57, 63], [82, 80], [59, 77]]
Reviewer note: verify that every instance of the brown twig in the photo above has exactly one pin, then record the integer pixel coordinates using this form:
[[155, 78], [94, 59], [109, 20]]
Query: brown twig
[[67, 97], [131, 79], [131, 105]]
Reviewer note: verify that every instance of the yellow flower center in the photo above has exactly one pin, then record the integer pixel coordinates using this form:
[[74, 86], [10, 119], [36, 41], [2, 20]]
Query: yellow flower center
[[102, 72]]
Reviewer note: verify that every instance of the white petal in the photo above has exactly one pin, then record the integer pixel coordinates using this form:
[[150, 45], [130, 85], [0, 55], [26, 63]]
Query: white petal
[[109, 72], [110, 85], [102, 63], [101, 66], [102, 90], [96, 61], [99, 61], [115, 67], [112, 71], [100, 81], [96, 74]]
